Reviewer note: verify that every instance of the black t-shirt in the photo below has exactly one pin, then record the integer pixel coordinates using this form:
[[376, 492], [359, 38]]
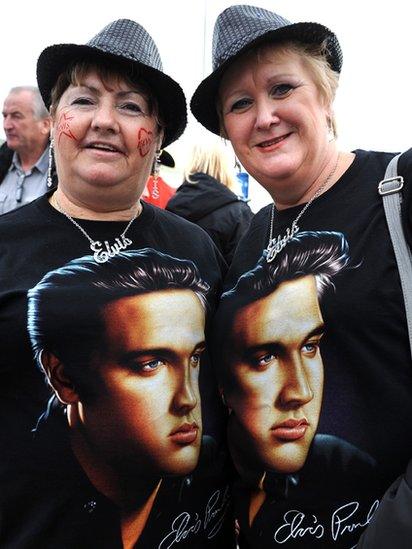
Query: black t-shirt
[[49, 502], [283, 384], [93, 316]]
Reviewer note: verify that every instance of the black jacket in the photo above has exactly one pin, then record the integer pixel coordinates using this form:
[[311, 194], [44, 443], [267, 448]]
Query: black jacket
[[215, 208], [391, 525], [47, 501], [6, 155]]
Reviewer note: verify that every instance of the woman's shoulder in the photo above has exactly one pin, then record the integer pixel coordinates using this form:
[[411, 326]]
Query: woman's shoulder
[[168, 218], [188, 234], [405, 164], [26, 215], [379, 159]]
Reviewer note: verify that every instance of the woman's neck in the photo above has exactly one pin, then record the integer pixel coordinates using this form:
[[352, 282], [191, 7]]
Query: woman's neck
[[333, 168], [64, 202]]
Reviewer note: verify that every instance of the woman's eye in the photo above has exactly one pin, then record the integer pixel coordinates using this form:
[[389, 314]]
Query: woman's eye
[[240, 104], [132, 107], [82, 101], [281, 89]]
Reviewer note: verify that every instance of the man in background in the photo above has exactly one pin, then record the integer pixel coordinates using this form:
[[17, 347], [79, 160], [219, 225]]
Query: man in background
[[25, 155]]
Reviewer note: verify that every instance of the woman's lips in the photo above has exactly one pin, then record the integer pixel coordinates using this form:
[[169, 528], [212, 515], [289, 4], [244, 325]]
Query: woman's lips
[[272, 144], [290, 430], [185, 434], [102, 153]]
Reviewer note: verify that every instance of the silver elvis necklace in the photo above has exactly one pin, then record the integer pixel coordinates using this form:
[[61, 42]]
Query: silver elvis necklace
[[102, 252], [277, 243]]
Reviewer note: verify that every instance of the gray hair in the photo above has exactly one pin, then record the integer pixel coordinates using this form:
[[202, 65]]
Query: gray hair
[[39, 109]]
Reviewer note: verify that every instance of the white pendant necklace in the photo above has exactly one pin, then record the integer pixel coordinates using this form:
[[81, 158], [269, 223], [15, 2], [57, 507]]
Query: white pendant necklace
[[102, 252], [277, 243]]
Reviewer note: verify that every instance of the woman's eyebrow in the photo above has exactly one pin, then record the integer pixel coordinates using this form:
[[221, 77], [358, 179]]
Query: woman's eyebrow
[[129, 92]]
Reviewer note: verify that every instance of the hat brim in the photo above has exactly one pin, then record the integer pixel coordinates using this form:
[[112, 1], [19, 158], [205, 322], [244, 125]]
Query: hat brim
[[166, 159], [204, 100], [170, 97]]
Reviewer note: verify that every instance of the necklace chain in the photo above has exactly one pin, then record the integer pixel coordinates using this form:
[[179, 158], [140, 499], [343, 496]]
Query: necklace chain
[[102, 252], [276, 244]]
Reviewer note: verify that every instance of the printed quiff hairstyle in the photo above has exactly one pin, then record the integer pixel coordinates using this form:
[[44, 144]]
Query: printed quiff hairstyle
[[322, 254], [65, 307]]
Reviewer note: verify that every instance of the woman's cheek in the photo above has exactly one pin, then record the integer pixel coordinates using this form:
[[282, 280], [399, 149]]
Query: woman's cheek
[[64, 126], [144, 141]]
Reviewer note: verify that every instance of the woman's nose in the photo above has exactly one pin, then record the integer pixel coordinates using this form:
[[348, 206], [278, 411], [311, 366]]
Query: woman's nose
[[266, 114], [105, 119]]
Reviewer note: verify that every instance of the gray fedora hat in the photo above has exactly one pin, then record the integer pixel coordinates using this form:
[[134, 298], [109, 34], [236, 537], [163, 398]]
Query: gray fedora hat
[[122, 42], [240, 28]]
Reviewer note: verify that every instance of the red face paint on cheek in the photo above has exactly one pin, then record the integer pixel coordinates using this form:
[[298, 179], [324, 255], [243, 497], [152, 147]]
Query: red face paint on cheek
[[63, 127], [145, 140]]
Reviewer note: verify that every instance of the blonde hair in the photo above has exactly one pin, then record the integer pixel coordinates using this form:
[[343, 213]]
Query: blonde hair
[[212, 159], [314, 56]]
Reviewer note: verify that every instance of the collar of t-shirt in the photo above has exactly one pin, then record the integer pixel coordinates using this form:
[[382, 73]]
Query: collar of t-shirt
[[41, 165]]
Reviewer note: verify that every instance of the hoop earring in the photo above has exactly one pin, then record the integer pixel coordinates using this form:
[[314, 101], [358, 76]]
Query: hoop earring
[[156, 166], [49, 169]]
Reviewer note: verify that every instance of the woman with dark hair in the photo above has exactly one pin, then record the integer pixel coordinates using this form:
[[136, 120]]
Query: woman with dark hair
[[271, 94], [113, 109]]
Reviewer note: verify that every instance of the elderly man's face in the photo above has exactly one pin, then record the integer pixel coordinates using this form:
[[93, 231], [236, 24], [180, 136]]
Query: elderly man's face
[[276, 372], [24, 132]]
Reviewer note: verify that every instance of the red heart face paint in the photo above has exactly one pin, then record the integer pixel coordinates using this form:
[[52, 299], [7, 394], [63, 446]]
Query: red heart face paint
[[63, 127], [145, 140]]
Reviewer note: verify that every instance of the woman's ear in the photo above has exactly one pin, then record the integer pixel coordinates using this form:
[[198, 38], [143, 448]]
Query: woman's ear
[[57, 378], [46, 125]]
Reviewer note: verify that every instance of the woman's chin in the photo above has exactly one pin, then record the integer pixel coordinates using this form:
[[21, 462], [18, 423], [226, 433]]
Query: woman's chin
[[101, 178]]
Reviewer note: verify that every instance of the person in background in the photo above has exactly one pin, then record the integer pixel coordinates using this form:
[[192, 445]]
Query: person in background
[[271, 94], [24, 158], [157, 191], [113, 109], [208, 197]]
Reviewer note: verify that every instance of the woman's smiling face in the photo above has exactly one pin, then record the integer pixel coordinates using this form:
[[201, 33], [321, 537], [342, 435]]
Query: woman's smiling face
[[104, 134], [275, 117]]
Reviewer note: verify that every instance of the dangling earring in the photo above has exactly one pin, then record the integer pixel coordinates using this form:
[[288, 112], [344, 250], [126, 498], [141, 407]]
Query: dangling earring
[[331, 133], [49, 169], [156, 166]]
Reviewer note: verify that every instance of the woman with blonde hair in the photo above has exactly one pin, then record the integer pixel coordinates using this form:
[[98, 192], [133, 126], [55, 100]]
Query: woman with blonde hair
[[271, 95], [208, 197]]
